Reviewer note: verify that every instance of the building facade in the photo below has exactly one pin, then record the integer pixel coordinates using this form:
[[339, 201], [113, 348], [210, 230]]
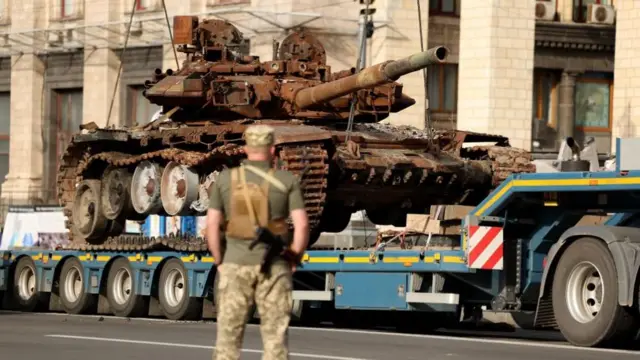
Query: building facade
[[533, 70]]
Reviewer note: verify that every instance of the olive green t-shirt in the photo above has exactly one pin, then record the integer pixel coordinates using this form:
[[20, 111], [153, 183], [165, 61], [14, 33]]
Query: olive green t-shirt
[[280, 204]]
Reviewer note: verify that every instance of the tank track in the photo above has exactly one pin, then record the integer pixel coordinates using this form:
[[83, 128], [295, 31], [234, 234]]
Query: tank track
[[187, 243], [309, 161]]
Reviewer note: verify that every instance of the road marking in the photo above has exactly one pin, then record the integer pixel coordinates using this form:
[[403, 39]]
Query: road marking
[[478, 339], [193, 346], [478, 334]]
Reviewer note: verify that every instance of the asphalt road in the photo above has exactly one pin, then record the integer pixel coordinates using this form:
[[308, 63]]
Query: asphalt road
[[65, 337]]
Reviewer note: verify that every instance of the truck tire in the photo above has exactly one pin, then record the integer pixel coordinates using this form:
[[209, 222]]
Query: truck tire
[[121, 295], [25, 294], [73, 296], [585, 296], [173, 293]]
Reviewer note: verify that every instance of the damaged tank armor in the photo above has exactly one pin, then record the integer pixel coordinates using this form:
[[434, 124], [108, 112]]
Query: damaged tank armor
[[166, 167]]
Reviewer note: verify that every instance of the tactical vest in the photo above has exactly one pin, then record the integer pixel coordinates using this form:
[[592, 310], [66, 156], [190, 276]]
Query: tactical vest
[[249, 205]]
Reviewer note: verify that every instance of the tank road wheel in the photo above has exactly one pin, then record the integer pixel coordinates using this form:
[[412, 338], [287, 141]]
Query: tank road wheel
[[116, 196], [120, 291], [88, 220], [202, 203], [173, 292], [74, 298], [145, 188], [26, 296], [585, 296], [179, 189]]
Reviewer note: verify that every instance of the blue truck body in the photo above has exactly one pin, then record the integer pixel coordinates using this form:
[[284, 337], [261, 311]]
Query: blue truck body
[[419, 280]]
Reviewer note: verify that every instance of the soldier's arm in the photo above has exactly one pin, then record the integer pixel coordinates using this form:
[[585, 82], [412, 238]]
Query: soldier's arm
[[299, 218], [214, 220]]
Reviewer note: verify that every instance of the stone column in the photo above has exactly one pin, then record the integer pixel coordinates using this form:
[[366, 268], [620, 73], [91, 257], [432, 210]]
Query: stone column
[[495, 84], [101, 65], [24, 180], [566, 105], [626, 102]]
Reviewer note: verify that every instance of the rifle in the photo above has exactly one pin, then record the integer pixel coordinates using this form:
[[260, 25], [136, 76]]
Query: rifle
[[275, 247]]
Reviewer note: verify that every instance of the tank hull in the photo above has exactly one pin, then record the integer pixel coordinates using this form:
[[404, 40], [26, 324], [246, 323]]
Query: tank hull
[[109, 176]]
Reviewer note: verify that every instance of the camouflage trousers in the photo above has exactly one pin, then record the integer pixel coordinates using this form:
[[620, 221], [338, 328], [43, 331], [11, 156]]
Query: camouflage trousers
[[239, 288]]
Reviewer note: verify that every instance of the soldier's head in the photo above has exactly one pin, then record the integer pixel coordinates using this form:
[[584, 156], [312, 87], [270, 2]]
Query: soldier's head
[[259, 140]]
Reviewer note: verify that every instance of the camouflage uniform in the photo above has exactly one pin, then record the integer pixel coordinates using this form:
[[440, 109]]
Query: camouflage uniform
[[240, 283]]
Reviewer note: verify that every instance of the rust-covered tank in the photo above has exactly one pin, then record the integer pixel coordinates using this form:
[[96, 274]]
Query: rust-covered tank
[[166, 167]]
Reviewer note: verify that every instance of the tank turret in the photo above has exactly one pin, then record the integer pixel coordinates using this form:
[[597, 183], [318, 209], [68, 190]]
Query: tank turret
[[218, 81]]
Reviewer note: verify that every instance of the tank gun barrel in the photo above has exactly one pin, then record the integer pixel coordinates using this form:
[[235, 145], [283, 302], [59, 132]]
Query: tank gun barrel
[[370, 77]]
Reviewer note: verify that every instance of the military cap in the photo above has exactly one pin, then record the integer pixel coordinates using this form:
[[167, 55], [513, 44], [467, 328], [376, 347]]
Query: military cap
[[259, 136]]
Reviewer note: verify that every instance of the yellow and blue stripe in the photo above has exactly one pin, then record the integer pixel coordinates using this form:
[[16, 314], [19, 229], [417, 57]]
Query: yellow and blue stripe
[[556, 182]]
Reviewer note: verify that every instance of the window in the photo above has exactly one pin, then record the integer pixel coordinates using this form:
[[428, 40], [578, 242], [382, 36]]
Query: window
[[545, 111], [67, 118], [443, 87], [593, 104], [142, 4], [67, 8], [140, 109], [580, 8], [444, 7], [5, 125]]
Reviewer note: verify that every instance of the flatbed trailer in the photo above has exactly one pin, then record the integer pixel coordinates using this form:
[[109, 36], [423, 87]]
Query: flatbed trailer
[[520, 250]]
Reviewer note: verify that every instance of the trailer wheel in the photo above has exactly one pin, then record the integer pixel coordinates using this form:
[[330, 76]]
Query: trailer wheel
[[120, 291], [25, 285], [585, 296], [173, 293], [74, 298]]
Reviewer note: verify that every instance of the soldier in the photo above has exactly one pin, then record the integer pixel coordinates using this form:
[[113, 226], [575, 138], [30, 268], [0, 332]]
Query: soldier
[[245, 199]]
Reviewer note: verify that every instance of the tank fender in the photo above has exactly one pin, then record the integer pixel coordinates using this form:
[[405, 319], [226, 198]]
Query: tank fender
[[624, 244]]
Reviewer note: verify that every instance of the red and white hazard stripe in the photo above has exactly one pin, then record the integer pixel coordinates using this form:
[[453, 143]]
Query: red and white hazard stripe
[[485, 247]]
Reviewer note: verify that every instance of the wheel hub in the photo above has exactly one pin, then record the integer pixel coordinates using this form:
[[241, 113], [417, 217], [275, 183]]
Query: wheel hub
[[585, 292], [115, 197], [85, 211], [73, 284], [179, 189], [174, 289], [145, 190], [122, 286], [88, 218], [26, 283]]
